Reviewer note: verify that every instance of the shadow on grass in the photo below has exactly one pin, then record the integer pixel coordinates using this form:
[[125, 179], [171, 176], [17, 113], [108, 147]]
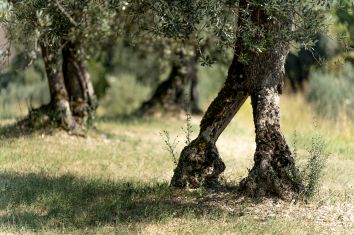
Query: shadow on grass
[[22, 129], [124, 119], [37, 201]]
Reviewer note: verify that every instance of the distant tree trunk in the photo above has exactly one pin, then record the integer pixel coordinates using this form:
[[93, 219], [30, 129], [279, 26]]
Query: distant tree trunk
[[83, 101], [274, 172], [194, 92], [59, 107], [169, 95]]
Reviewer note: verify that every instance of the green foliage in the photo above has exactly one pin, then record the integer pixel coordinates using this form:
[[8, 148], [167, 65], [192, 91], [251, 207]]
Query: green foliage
[[196, 19], [211, 79], [331, 93], [345, 14], [22, 90], [170, 145], [31, 21], [313, 171], [124, 95], [98, 75]]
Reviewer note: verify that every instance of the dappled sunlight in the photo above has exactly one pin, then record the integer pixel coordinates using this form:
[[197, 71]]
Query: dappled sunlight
[[41, 203], [176, 117], [117, 178]]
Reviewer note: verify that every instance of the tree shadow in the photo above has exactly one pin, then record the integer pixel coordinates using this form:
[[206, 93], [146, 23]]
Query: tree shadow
[[35, 201], [22, 128]]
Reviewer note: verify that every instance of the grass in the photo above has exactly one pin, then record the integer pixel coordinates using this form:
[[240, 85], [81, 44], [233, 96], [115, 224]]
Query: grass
[[115, 181]]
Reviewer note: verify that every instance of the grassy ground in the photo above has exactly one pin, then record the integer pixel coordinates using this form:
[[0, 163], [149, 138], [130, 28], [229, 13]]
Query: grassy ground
[[116, 181]]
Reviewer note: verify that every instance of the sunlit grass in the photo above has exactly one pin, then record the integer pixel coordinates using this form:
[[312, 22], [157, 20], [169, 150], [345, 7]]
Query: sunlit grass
[[116, 180]]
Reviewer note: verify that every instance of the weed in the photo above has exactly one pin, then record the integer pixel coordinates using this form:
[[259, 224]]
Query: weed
[[188, 129], [170, 145], [295, 149], [312, 173]]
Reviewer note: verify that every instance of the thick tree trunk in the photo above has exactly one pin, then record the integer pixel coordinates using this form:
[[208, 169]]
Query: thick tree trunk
[[274, 172], [200, 163], [83, 101], [59, 108]]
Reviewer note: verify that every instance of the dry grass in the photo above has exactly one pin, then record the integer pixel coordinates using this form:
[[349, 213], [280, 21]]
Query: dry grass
[[116, 181]]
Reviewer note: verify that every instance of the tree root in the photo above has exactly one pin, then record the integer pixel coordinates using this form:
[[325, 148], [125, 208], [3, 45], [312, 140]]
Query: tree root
[[199, 165], [273, 176]]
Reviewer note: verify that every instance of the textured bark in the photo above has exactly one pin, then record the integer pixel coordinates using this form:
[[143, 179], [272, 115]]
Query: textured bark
[[274, 172], [59, 108], [200, 163], [83, 101]]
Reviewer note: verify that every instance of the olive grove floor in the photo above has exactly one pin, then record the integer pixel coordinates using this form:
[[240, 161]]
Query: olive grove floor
[[116, 180]]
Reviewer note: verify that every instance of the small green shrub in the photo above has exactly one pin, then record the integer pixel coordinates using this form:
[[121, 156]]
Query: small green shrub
[[170, 145], [331, 94], [314, 168]]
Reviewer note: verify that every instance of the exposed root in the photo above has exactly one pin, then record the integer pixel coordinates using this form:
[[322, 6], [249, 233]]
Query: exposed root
[[273, 177], [46, 119], [199, 165]]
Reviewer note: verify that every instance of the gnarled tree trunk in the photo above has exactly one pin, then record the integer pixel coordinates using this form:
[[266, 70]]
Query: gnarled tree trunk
[[274, 172], [59, 108], [83, 101], [168, 96]]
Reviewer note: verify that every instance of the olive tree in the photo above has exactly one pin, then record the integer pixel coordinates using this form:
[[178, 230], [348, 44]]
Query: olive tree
[[260, 33], [62, 32]]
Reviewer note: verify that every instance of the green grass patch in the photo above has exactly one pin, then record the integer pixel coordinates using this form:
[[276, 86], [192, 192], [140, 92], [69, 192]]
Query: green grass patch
[[115, 181]]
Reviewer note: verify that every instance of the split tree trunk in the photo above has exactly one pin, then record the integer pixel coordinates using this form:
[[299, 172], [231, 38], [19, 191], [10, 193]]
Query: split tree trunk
[[59, 108], [274, 172], [83, 101]]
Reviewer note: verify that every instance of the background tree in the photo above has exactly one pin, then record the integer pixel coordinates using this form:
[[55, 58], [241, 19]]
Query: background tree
[[60, 30]]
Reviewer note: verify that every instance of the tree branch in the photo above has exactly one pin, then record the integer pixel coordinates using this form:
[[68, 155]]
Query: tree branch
[[65, 13]]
